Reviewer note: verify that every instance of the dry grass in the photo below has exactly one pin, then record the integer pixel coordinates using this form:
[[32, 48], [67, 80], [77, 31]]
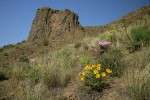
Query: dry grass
[[17, 70], [138, 75]]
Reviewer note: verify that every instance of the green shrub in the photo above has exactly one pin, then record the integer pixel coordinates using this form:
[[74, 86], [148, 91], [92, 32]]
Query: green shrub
[[2, 75], [8, 46], [45, 42], [140, 37], [23, 59], [6, 54], [112, 37], [64, 53], [95, 77], [84, 60], [33, 75], [77, 45], [112, 59], [1, 49], [23, 41]]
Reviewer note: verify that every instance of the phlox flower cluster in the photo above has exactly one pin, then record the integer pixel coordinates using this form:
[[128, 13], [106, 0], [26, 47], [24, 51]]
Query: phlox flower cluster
[[105, 44]]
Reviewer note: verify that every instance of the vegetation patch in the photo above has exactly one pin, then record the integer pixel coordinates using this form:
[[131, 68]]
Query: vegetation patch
[[2, 75], [140, 37], [33, 75], [112, 59], [95, 77]]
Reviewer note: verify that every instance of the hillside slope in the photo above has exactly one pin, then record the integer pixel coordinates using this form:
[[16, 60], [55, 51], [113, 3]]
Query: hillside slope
[[47, 65]]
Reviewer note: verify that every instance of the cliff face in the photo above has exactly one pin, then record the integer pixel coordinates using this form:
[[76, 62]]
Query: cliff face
[[58, 28], [55, 27]]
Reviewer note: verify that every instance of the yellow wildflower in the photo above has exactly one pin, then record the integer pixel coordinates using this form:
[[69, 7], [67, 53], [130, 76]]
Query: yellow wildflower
[[103, 74], [93, 66], [95, 71], [108, 71], [112, 31], [82, 78], [97, 76], [83, 73], [87, 67], [98, 67]]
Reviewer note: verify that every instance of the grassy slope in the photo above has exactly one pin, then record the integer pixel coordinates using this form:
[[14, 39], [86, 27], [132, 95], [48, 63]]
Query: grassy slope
[[54, 75]]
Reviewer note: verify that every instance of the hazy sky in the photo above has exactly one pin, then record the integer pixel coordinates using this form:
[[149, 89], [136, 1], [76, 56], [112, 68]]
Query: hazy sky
[[16, 16]]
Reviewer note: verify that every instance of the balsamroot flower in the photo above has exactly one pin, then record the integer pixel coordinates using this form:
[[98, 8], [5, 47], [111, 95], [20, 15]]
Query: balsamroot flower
[[112, 31], [103, 74], [87, 67], [95, 71], [98, 67], [93, 66], [82, 78], [83, 73], [97, 76], [108, 71]]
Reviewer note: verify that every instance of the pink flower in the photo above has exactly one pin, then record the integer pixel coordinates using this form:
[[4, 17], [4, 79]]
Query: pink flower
[[105, 44]]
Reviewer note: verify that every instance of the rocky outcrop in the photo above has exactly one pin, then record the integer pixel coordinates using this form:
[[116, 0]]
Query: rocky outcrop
[[55, 27], [58, 28]]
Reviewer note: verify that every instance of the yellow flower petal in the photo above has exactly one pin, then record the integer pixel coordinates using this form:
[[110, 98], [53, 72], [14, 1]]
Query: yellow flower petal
[[108, 71], [93, 66], [95, 71], [103, 74], [97, 76], [82, 78], [98, 67], [83, 73], [87, 67]]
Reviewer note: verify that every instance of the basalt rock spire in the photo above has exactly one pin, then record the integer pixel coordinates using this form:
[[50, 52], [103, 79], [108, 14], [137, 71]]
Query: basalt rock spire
[[55, 27]]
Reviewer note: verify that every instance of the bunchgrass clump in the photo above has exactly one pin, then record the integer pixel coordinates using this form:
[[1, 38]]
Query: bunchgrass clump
[[138, 74], [63, 53], [55, 70], [55, 77], [139, 84], [95, 77], [18, 70]]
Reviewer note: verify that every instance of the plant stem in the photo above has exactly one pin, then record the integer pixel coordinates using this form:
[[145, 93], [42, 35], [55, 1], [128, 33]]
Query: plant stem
[[127, 32]]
